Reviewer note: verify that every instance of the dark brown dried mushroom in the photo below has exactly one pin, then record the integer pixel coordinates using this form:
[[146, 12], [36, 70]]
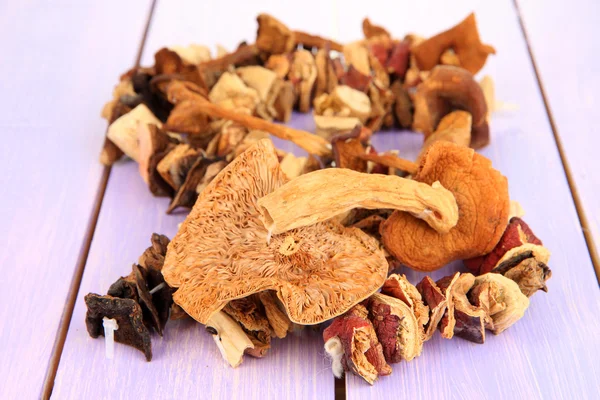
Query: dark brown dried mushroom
[[154, 144], [352, 344], [273, 36], [187, 194], [399, 287], [438, 302], [128, 314], [251, 317], [446, 89], [176, 164]]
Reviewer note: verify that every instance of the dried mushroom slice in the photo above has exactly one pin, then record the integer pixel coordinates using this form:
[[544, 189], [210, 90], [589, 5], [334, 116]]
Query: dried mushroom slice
[[516, 234], [482, 196], [124, 131], [397, 328], [185, 118], [399, 287], [527, 265], [223, 252], [346, 150], [437, 300], [278, 320], [303, 74], [454, 128], [154, 144], [469, 321], [176, 164], [448, 322], [446, 89], [230, 338], [251, 317], [151, 316], [510, 303], [153, 258], [403, 105], [127, 313], [273, 36], [334, 191], [352, 344], [329, 127], [186, 194], [463, 39]]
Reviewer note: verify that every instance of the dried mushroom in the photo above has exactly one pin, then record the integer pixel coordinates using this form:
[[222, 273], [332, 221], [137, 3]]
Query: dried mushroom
[[250, 316], [185, 118], [344, 102], [399, 287], [463, 319], [154, 144], [223, 251], [454, 127], [347, 149], [327, 79], [370, 30], [463, 39], [329, 127], [396, 327], [278, 320], [403, 106], [124, 131], [527, 265], [273, 36], [128, 314], [192, 54], [230, 338], [483, 203], [303, 74], [211, 172], [437, 302], [280, 64], [176, 164], [356, 55], [507, 294], [334, 191], [186, 194], [231, 92], [352, 344], [446, 89]]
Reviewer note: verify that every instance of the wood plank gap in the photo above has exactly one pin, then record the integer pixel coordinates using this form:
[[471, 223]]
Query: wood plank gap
[[65, 320], [583, 221], [339, 387]]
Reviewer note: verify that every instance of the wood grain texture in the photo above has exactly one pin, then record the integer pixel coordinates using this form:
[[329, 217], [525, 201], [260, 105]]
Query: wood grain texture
[[186, 362], [569, 76], [553, 351], [55, 75]]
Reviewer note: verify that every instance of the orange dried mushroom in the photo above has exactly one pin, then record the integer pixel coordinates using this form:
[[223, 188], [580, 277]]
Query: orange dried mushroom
[[223, 251], [463, 39], [481, 193]]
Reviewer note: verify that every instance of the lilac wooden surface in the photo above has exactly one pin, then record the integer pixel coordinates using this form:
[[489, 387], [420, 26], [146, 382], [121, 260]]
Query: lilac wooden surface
[[186, 362], [551, 353], [59, 62], [565, 41]]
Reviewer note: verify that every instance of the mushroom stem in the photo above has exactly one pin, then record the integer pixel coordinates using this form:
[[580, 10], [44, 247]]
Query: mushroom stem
[[323, 194], [110, 326], [236, 57], [311, 143], [230, 338], [390, 160], [309, 40]]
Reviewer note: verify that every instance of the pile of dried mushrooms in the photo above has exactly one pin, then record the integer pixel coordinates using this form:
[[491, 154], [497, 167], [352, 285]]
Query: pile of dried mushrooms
[[275, 242]]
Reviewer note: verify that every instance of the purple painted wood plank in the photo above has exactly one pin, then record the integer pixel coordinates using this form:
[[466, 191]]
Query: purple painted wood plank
[[565, 42], [186, 362], [553, 351], [59, 63]]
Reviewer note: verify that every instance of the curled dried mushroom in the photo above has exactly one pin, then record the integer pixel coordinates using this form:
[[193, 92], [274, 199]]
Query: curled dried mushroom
[[481, 193]]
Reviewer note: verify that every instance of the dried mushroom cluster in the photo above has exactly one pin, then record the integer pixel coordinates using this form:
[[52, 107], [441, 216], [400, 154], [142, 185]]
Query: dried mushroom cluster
[[274, 242]]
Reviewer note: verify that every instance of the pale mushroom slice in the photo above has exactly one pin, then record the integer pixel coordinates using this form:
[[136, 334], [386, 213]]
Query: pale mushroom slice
[[222, 251]]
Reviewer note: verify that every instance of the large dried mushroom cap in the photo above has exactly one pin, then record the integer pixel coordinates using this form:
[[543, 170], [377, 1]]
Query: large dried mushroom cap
[[222, 251], [481, 193]]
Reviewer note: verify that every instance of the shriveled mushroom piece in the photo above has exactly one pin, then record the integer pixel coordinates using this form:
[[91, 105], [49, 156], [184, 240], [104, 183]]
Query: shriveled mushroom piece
[[124, 131], [347, 149], [303, 74], [211, 172], [223, 251], [193, 53], [176, 164], [334, 191], [187, 194], [344, 101], [280, 64], [231, 92], [463, 39], [399, 287], [273, 36], [436, 301], [184, 118], [510, 303], [128, 314], [463, 319], [352, 344], [454, 127], [481, 193], [278, 320], [154, 144], [449, 88], [229, 337], [370, 30], [403, 106], [248, 314], [327, 79], [396, 327], [331, 126]]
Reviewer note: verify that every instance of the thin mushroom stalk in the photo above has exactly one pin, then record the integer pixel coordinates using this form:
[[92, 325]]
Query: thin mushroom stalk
[[323, 194], [390, 160], [311, 143]]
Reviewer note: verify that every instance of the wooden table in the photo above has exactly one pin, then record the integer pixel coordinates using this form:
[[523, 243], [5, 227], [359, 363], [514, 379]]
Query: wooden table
[[70, 227]]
